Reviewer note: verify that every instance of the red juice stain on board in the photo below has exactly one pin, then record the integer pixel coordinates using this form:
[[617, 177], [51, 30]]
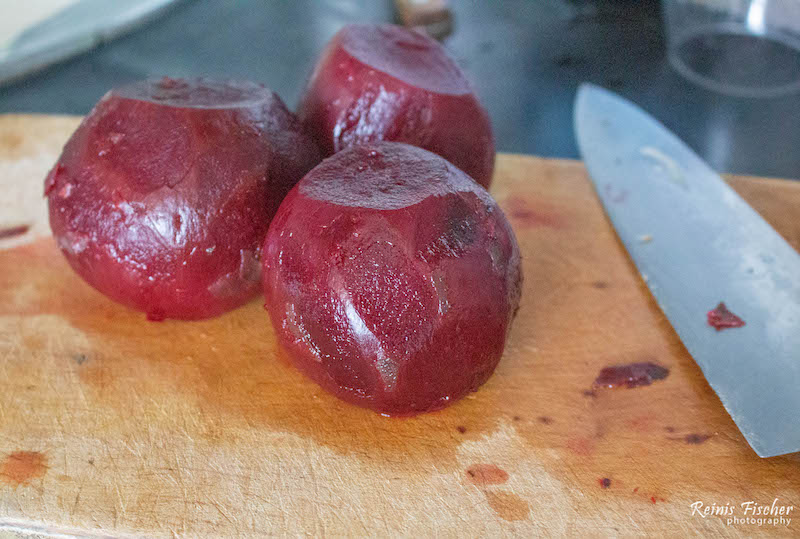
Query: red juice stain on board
[[631, 375], [721, 318], [13, 231], [642, 423], [80, 359], [20, 467], [462, 429], [525, 213], [696, 439], [486, 474], [545, 420], [581, 446], [605, 482], [507, 505]]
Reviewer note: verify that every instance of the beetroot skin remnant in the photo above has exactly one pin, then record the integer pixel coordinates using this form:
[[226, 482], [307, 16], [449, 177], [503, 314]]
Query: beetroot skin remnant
[[162, 197], [392, 278], [631, 376], [385, 82], [721, 318]]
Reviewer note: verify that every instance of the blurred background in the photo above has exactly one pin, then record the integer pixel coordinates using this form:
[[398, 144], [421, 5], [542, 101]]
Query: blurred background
[[524, 57]]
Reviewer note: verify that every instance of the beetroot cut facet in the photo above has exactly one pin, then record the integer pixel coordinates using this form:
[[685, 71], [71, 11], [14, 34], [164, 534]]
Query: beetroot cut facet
[[385, 82], [392, 278], [162, 197]]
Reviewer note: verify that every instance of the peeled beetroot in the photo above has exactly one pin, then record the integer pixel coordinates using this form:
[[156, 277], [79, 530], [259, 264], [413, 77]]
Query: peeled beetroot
[[392, 278], [385, 82], [162, 197]]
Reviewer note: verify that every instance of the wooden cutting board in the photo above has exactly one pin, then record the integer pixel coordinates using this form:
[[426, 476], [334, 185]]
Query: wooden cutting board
[[113, 425]]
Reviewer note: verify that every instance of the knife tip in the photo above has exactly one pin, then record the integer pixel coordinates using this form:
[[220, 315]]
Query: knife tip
[[585, 87]]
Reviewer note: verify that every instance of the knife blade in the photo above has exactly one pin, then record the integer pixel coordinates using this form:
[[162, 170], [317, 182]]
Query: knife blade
[[697, 243], [77, 28]]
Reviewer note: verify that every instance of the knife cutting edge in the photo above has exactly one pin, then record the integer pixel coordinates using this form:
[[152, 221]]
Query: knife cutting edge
[[697, 243]]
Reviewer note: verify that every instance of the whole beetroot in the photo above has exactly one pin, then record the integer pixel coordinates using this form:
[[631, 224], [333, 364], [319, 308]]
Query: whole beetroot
[[162, 197], [385, 82], [392, 278]]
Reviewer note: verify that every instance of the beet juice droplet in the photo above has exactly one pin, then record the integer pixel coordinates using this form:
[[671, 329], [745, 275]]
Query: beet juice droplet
[[13, 231], [721, 318], [631, 375]]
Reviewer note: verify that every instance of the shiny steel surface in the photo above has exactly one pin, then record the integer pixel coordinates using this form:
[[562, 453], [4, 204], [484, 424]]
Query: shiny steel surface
[[697, 243]]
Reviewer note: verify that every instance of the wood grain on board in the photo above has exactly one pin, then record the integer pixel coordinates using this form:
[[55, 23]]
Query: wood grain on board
[[113, 425]]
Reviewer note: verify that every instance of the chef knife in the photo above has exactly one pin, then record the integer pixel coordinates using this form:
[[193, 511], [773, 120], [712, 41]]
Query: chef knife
[[696, 243]]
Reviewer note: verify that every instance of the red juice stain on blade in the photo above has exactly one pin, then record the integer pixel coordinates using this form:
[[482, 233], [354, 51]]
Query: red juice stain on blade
[[721, 318], [631, 375], [13, 231], [617, 197]]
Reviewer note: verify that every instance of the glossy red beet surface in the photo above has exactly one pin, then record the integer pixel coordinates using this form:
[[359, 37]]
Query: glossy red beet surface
[[392, 278], [162, 197], [384, 82]]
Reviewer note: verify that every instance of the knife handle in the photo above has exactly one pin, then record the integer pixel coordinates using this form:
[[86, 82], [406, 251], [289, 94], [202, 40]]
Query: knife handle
[[431, 16]]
